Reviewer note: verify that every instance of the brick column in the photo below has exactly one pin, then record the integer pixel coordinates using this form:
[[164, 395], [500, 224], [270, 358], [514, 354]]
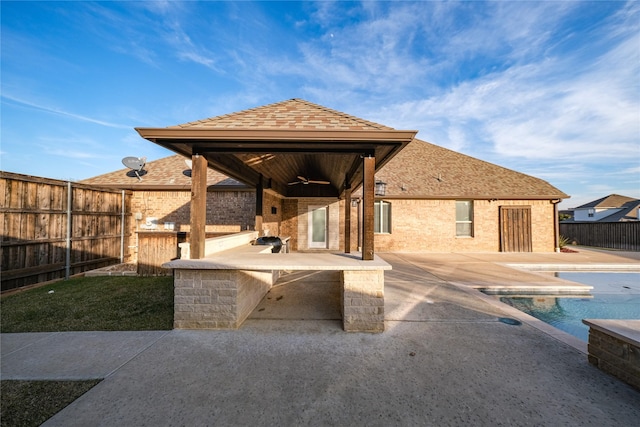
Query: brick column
[[615, 356], [363, 301], [217, 299]]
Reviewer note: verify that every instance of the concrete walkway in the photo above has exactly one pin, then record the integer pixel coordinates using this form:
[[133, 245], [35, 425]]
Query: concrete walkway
[[444, 359]]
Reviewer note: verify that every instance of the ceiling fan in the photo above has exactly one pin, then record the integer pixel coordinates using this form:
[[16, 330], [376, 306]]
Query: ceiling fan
[[305, 181]]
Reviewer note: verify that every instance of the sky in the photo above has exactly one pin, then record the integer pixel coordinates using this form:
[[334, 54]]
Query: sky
[[547, 88]]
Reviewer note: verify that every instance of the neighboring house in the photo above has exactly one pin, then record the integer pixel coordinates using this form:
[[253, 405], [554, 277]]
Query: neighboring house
[[430, 199], [612, 208]]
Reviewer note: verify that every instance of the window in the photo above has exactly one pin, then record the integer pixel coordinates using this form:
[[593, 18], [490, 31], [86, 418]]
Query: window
[[382, 217], [464, 218]]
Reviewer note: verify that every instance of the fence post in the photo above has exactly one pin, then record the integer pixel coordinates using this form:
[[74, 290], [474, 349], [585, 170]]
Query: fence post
[[67, 266], [122, 221]]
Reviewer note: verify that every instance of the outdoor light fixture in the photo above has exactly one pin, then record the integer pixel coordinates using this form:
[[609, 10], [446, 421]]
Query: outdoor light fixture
[[381, 188]]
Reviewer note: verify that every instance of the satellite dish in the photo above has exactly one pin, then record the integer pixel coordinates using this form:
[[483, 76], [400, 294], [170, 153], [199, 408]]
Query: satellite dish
[[136, 164]]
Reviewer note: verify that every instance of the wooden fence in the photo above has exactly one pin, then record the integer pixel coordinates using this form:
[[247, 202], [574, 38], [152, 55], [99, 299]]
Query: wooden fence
[[613, 235], [54, 229]]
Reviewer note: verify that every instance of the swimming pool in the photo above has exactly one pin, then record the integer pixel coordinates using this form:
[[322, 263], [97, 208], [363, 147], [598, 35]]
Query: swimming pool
[[614, 296]]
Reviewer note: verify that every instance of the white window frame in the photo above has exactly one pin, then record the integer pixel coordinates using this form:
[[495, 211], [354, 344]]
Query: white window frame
[[469, 221], [381, 218]]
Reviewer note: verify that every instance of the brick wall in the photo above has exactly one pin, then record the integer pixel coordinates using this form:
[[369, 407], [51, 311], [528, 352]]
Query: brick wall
[[289, 225], [227, 210], [429, 225], [334, 237], [615, 356], [363, 301], [217, 299], [417, 225], [271, 222]]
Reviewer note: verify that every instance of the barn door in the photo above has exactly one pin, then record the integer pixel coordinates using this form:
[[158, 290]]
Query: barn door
[[515, 228]]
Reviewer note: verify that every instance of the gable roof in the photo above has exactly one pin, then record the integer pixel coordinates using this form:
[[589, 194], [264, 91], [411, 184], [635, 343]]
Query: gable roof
[[290, 114], [627, 212], [424, 170], [610, 201], [276, 144], [169, 173]]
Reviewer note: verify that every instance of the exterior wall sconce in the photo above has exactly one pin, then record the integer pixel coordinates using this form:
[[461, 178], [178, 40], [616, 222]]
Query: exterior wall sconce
[[354, 203], [381, 188]]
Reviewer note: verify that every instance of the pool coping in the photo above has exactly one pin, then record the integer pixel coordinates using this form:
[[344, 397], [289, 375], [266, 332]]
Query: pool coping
[[555, 291], [624, 330], [591, 267], [523, 317]]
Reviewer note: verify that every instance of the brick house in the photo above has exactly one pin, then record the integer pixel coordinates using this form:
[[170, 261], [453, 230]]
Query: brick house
[[428, 198]]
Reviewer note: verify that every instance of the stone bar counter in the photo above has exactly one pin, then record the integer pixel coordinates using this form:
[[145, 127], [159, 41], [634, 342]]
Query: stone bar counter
[[221, 290]]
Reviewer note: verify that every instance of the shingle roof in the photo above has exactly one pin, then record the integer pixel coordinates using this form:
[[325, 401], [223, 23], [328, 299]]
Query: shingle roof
[[610, 201], [628, 212], [426, 170], [291, 114], [169, 173]]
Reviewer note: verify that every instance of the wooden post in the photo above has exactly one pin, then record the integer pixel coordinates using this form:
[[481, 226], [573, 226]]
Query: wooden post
[[198, 206], [347, 220], [259, 204], [368, 193], [67, 262]]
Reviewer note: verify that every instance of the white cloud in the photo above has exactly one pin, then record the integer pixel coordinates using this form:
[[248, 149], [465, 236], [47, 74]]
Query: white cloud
[[540, 110], [52, 110]]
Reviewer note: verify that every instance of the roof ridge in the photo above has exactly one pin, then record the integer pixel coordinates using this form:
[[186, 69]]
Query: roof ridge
[[275, 105], [602, 202], [340, 113], [235, 113]]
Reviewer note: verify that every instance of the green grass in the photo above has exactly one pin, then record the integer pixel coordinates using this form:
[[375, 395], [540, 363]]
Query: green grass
[[105, 303], [31, 403]]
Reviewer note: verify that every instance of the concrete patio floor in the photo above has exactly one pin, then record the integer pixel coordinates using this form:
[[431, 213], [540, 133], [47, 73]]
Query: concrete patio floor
[[444, 359]]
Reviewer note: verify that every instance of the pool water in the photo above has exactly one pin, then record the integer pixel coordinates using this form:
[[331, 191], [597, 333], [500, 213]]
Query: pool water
[[615, 296]]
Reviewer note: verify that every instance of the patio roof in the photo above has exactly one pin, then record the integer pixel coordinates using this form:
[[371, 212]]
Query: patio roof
[[272, 146]]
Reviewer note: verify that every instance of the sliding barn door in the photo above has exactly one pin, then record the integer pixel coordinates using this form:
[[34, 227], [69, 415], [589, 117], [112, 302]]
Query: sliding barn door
[[515, 229]]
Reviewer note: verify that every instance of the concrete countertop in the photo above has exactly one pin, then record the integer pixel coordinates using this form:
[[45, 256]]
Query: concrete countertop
[[248, 260], [625, 330]]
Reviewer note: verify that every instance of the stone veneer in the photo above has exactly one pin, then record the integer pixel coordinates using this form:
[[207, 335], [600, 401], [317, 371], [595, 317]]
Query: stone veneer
[[217, 299], [614, 347], [221, 291], [223, 299], [363, 301]]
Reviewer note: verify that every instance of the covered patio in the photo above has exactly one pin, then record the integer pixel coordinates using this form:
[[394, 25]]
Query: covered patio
[[276, 160], [290, 150]]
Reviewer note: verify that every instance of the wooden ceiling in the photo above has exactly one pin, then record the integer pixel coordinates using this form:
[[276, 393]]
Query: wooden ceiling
[[276, 158]]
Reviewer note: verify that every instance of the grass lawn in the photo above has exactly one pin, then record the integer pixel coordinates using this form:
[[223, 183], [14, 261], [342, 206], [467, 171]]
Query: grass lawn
[[105, 303], [31, 403], [82, 304]]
